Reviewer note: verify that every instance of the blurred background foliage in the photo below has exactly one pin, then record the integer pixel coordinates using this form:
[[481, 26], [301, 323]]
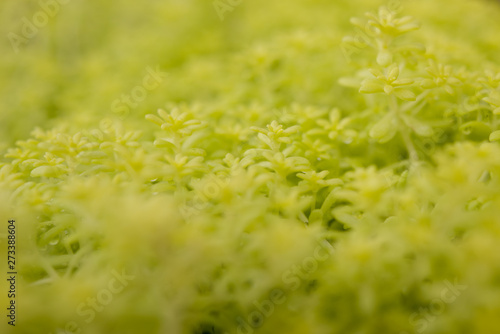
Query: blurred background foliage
[[90, 52]]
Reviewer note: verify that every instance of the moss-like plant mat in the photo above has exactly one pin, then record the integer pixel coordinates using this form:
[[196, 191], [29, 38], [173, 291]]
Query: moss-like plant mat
[[251, 166]]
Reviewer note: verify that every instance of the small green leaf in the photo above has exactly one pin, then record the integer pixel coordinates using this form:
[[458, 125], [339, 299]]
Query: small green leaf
[[393, 73], [405, 94], [265, 139], [495, 136], [384, 57], [316, 217], [45, 171], [155, 119], [476, 130], [384, 130], [370, 86]]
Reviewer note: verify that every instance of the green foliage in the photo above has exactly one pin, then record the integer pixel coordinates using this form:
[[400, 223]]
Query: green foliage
[[268, 150]]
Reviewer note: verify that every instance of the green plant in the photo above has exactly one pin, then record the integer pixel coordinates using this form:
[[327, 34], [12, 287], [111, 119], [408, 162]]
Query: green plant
[[278, 187]]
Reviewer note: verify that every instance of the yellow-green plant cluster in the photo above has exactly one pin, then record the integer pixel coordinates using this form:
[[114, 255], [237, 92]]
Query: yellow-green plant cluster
[[301, 167]]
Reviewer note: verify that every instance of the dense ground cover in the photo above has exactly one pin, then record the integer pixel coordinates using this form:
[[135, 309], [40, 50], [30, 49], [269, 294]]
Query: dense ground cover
[[255, 166]]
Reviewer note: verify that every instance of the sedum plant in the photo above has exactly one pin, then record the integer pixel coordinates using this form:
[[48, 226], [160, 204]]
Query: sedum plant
[[270, 184]]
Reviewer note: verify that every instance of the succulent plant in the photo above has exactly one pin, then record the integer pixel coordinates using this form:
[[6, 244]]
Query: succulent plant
[[296, 171]]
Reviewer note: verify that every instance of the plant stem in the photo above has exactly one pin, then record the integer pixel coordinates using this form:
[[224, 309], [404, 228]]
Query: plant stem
[[404, 131]]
